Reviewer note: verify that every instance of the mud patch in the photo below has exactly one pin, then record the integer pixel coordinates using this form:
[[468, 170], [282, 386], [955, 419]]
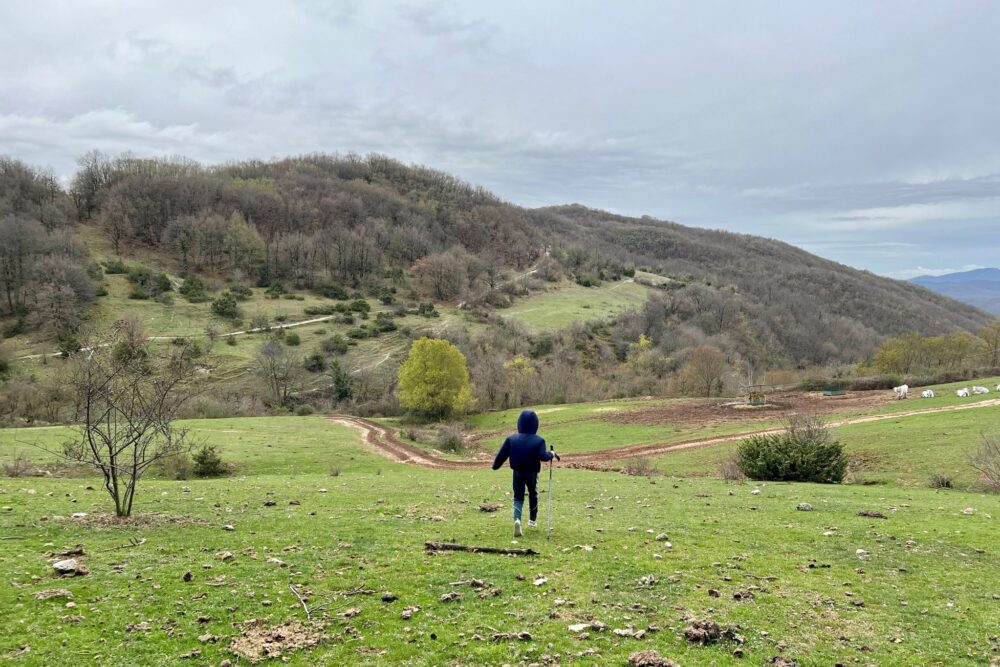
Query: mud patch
[[260, 642]]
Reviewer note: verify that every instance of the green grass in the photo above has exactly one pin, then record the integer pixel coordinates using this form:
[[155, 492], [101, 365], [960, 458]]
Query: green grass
[[562, 306], [933, 593]]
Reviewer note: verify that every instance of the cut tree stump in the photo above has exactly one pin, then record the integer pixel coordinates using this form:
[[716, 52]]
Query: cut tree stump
[[446, 546]]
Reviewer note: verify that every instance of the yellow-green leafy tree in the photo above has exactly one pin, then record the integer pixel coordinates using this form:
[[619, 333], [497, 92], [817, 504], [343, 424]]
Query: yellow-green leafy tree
[[434, 379]]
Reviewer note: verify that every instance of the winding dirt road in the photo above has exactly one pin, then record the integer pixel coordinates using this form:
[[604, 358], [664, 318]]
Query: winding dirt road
[[385, 442]]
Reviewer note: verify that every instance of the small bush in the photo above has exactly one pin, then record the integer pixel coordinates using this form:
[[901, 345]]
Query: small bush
[[115, 267], [331, 291], [304, 410], [986, 459], [384, 323], [176, 467], [359, 306], [231, 340], [450, 438], [806, 452], [334, 471], [208, 463], [324, 309], [241, 292], [335, 345], [641, 466], [292, 339], [314, 363], [939, 481]]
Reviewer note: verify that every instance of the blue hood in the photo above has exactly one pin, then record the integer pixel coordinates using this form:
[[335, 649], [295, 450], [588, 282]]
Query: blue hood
[[527, 422]]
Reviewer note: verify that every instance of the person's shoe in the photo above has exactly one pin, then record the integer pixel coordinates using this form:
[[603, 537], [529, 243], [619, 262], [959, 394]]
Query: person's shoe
[[532, 524], [517, 528]]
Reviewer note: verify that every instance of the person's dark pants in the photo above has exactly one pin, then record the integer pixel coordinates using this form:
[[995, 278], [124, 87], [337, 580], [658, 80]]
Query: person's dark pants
[[522, 480]]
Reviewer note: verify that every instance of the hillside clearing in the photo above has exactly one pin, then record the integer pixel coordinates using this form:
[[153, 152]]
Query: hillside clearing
[[564, 305]]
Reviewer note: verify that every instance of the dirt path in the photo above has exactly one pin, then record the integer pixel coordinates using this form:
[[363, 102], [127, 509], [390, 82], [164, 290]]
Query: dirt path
[[384, 441]]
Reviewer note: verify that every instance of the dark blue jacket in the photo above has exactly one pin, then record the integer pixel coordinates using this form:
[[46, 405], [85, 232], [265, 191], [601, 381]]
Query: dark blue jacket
[[526, 450]]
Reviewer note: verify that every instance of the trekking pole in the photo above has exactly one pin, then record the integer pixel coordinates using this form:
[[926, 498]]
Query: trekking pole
[[548, 530]]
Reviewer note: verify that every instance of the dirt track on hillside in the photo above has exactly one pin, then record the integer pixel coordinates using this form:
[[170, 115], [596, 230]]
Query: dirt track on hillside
[[384, 442]]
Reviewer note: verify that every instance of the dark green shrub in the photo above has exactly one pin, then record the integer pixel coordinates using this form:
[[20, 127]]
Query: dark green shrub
[[360, 306], [304, 410], [208, 463], [805, 452], [226, 306], [193, 290], [357, 333], [231, 340], [331, 291], [274, 291], [384, 323], [324, 309], [427, 310], [292, 339]]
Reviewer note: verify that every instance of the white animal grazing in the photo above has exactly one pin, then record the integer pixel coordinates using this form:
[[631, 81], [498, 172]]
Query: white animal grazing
[[901, 391], [962, 393], [927, 394], [980, 390]]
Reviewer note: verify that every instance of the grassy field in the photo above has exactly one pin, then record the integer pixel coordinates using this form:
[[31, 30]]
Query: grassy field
[[921, 592], [562, 306]]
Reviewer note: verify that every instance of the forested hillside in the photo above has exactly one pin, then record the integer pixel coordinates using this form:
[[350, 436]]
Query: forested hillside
[[339, 228]]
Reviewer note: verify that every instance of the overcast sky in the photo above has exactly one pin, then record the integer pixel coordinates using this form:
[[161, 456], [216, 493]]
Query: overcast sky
[[867, 132]]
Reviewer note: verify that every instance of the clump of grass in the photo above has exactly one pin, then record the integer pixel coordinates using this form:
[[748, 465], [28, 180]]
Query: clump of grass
[[729, 470]]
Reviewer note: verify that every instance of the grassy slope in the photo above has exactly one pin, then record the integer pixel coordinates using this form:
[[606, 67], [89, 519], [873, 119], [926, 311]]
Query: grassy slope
[[933, 594], [564, 305]]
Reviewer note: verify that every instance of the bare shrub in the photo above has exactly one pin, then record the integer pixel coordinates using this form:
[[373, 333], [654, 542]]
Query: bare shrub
[[641, 466], [21, 466], [450, 438], [986, 459], [729, 470], [176, 467], [939, 481], [334, 471]]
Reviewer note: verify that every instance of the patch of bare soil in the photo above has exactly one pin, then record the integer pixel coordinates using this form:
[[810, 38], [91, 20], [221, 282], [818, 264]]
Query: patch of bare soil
[[260, 642], [143, 520], [779, 406]]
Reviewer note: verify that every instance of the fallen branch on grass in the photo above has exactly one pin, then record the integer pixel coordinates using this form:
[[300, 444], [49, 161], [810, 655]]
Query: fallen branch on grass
[[305, 607], [445, 546]]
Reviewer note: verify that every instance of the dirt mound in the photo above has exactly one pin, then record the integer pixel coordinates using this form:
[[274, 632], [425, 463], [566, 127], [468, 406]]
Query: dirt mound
[[143, 520], [262, 642]]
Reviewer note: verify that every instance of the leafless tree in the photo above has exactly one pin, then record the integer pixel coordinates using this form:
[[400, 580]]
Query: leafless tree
[[126, 404], [279, 368]]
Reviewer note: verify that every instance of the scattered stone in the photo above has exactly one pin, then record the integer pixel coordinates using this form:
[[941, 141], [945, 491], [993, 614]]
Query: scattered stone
[[351, 613], [409, 612], [804, 507], [598, 626], [270, 503], [662, 537], [53, 593], [322, 490], [225, 556], [713, 593], [579, 627], [277, 561], [185, 489], [779, 661], [70, 566], [437, 517], [208, 638], [858, 602], [872, 514], [508, 636], [450, 597], [137, 627], [294, 503], [489, 507], [539, 581], [968, 511], [389, 597], [743, 596], [649, 659], [188, 576], [755, 492], [229, 527]]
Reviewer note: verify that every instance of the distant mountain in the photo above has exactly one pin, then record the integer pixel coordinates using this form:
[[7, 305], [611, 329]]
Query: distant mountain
[[980, 287]]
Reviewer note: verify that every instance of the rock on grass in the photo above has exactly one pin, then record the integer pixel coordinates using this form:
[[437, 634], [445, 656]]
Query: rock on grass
[[650, 659]]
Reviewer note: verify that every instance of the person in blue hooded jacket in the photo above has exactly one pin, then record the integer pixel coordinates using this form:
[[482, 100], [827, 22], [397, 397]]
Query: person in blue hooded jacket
[[526, 451]]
